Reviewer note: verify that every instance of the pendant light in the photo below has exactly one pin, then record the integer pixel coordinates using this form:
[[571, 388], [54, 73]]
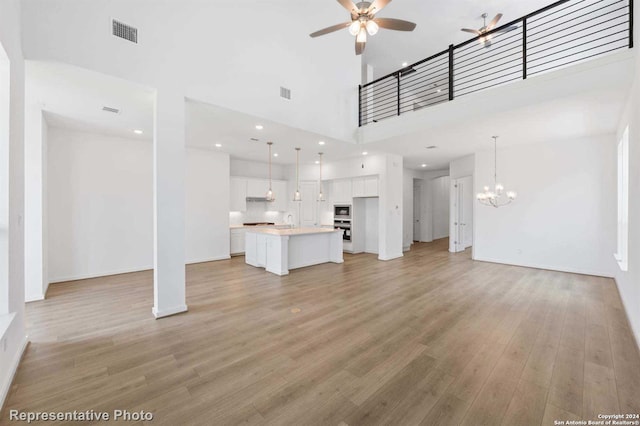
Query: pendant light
[[270, 195], [296, 195], [495, 198], [321, 194]]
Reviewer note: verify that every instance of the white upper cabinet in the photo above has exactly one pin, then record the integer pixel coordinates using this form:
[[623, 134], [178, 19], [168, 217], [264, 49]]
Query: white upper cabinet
[[358, 187], [341, 191], [365, 187], [371, 186], [257, 188], [238, 195]]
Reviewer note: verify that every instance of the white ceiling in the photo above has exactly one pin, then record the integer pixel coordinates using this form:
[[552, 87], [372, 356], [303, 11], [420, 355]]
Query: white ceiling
[[73, 98], [438, 25], [208, 125]]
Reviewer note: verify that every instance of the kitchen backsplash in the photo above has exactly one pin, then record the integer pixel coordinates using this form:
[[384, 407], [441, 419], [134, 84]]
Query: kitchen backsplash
[[257, 211]]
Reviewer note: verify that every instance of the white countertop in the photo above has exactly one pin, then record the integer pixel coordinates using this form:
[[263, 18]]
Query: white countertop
[[291, 231], [256, 226]]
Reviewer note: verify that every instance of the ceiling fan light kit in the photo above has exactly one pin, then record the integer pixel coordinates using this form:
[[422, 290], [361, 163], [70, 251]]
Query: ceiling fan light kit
[[363, 22]]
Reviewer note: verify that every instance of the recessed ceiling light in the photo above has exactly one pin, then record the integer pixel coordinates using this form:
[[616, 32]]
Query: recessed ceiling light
[[404, 64], [218, 145], [321, 143], [317, 162], [431, 147], [137, 132], [259, 126], [365, 153], [424, 165], [275, 155]]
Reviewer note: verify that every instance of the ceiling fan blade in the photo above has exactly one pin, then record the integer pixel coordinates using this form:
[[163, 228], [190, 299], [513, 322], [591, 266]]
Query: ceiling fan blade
[[330, 29], [377, 6], [395, 24], [360, 47], [469, 30], [350, 6], [494, 21]]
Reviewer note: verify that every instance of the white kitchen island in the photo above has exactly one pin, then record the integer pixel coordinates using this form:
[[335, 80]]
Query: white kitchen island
[[280, 250]]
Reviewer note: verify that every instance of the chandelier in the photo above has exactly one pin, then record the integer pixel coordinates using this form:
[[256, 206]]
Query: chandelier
[[496, 197]]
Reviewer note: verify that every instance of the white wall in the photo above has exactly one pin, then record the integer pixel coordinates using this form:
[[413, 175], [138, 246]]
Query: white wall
[[101, 205], [14, 337], [207, 214], [462, 167], [257, 169], [564, 217], [629, 281]]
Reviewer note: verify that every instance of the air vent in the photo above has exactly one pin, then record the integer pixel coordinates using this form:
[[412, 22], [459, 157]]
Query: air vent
[[122, 30], [254, 139], [285, 93], [111, 109], [431, 147]]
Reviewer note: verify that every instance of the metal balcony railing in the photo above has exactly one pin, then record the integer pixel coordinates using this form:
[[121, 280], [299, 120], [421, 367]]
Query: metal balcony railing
[[563, 33]]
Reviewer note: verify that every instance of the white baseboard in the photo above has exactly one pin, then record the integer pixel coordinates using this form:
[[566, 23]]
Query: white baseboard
[[4, 388], [595, 273], [99, 274], [168, 312], [125, 271], [636, 335], [35, 298], [390, 257], [208, 259]]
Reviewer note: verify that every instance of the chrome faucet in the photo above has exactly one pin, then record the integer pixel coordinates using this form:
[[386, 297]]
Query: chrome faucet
[[290, 220]]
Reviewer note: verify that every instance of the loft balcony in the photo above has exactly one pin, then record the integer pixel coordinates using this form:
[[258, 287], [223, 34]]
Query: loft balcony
[[562, 34]]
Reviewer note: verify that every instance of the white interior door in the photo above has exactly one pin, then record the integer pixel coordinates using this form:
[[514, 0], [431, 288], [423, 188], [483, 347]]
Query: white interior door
[[309, 204], [462, 213], [440, 203], [417, 210], [466, 213]]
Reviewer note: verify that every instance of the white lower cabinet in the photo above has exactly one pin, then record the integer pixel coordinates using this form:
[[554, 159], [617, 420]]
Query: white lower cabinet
[[237, 241]]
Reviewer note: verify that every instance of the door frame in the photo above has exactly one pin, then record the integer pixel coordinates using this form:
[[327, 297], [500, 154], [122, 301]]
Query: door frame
[[455, 245]]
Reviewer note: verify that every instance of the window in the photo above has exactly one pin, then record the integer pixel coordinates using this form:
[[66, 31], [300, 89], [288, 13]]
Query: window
[[623, 200]]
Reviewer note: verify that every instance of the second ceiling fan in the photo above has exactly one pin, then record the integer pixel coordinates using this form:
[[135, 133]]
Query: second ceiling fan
[[363, 21], [486, 40]]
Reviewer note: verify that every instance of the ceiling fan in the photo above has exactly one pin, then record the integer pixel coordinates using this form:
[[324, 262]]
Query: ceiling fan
[[363, 21], [486, 41]]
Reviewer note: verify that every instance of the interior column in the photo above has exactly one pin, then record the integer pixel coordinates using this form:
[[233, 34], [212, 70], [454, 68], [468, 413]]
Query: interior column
[[35, 200], [169, 156]]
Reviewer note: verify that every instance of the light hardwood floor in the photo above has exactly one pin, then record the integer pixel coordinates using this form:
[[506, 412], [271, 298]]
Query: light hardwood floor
[[432, 338]]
